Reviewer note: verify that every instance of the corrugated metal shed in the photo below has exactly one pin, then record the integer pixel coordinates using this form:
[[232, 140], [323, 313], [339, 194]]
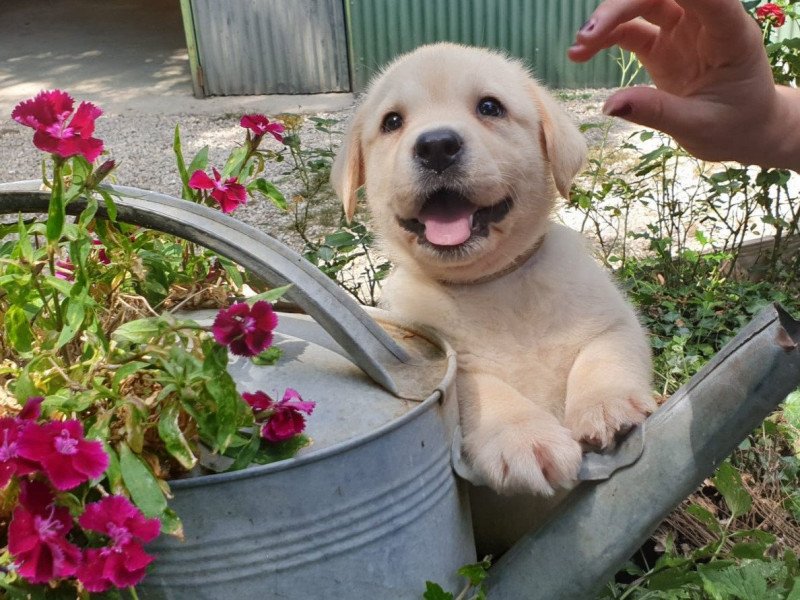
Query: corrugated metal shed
[[271, 46], [539, 31]]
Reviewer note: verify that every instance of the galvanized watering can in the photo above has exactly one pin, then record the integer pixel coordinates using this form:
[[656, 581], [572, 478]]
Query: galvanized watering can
[[373, 508]]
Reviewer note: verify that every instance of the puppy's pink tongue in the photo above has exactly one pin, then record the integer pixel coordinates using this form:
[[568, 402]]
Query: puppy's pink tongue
[[447, 226]]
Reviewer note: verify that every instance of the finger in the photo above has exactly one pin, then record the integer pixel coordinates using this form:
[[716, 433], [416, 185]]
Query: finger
[[613, 13], [637, 36], [678, 117], [719, 17]]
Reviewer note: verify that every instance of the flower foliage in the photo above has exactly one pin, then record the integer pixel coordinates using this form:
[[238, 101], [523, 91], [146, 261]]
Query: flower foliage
[[101, 402]]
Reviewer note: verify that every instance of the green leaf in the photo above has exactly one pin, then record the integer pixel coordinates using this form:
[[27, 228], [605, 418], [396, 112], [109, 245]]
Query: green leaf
[[474, 573], [56, 212], [111, 206], [199, 162], [24, 387], [747, 581], [61, 286], [272, 295], [140, 331], [269, 357], [186, 192], [229, 407], [234, 163], [126, 370], [794, 593], [270, 191], [73, 321], [114, 471], [275, 451], [705, 517], [247, 453], [88, 213], [170, 432], [171, 523], [141, 483], [24, 243], [433, 591], [18, 329], [729, 483]]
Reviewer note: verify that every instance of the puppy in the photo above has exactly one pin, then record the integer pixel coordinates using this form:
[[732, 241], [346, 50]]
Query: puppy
[[462, 155]]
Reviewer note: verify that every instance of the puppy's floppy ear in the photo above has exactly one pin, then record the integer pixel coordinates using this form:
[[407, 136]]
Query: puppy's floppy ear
[[562, 142], [347, 173]]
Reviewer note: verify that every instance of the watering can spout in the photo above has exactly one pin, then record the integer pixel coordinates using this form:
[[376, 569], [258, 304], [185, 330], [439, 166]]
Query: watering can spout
[[602, 523]]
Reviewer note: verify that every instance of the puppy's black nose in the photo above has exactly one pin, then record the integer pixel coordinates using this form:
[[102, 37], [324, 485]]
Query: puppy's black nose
[[438, 149]]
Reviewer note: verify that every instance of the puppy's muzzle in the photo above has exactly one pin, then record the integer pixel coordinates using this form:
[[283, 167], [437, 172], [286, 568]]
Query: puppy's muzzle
[[439, 149]]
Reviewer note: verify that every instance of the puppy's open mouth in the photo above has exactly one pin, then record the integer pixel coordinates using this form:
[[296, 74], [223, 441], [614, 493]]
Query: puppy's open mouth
[[448, 219]]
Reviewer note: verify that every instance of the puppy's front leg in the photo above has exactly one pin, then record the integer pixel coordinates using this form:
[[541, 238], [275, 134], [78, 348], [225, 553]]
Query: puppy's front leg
[[515, 445], [609, 387]]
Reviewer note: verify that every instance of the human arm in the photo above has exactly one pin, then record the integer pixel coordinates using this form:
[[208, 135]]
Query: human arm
[[714, 92]]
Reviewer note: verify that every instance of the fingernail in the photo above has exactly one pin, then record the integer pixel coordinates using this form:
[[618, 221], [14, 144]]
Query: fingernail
[[618, 111], [588, 26]]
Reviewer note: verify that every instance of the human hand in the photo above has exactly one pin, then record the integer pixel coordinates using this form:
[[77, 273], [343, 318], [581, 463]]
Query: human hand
[[714, 88]]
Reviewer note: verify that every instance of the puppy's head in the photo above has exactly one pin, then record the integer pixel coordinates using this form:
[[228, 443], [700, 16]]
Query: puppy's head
[[462, 154]]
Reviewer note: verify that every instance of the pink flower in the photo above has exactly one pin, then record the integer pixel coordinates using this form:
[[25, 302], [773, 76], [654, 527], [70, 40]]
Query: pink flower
[[11, 463], [260, 125], [229, 193], [772, 13], [48, 112], [246, 330], [66, 457], [285, 420], [32, 409], [102, 255], [123, 562], [37, 536], [65, 270]]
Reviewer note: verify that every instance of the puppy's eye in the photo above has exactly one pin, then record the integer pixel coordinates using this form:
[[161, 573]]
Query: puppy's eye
[[491, 107], [391, 122]]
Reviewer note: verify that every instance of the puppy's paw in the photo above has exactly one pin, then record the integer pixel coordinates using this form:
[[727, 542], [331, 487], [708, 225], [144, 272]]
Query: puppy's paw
[[598, 421], [526, 456]]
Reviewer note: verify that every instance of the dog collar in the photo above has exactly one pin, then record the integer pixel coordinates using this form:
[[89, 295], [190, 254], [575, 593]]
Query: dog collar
[[513, 266]]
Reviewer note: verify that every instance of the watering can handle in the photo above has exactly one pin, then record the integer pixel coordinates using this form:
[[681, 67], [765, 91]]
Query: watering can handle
[[370, 347]]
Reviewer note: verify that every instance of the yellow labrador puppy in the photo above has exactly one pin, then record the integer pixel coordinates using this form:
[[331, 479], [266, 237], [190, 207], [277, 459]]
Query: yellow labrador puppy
[[463, 155]]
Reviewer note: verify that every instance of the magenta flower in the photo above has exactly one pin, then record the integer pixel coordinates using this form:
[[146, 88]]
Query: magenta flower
[[66, 457], [246, 330], [65, 270], [261, 125], [285, 420], [123, 562], [48, 112], [229, 193], [32, 409], [11, 463], [102, 255], [37, 536]]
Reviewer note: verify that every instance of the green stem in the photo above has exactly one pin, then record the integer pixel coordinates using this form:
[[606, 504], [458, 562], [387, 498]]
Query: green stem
[[132, 592]]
